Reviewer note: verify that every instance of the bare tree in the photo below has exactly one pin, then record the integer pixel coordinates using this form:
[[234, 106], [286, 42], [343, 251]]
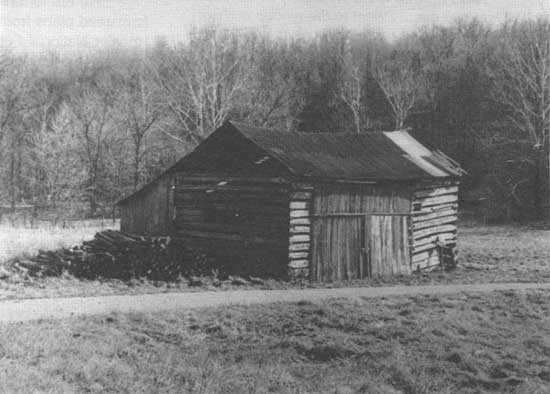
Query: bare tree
[[268, 88], [200, 82], [89, 113], [351, 93], [140, 110], [401, 85], [521, 76]]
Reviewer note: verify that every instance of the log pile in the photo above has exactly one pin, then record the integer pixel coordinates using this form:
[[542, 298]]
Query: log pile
[[112, 254]]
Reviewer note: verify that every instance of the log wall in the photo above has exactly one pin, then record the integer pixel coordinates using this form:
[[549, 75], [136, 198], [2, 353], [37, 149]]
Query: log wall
[[240, 222], [299, 247], [434, 219], [150, 211]]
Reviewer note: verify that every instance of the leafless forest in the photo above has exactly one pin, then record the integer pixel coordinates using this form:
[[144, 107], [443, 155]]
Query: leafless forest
[[78, 133]]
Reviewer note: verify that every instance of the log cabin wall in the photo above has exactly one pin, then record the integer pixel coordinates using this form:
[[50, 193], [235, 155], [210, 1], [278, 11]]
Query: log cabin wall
[[340, 235], [434, 215], [299, 248], [149, 212], [242, 223]]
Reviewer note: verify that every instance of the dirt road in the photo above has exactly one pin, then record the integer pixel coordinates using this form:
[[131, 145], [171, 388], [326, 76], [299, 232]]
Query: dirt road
[[59, 308]]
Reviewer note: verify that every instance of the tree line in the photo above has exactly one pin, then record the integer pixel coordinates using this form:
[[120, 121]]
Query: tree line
[[77, 133]]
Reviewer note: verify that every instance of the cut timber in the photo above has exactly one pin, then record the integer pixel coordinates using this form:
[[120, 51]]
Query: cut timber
[[434, 230], [434, 222], [299, 264], [435, 192], [430, 201], [298, 247], [294, 239], [433, 215], [299, 214], [299, 205], [300, 222], [298, 255]]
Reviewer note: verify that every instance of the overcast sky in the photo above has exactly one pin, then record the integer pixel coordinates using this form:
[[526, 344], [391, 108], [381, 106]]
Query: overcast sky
[[68, 26]]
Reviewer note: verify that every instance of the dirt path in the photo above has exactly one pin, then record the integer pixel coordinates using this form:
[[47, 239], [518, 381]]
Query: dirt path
[[59, 308]]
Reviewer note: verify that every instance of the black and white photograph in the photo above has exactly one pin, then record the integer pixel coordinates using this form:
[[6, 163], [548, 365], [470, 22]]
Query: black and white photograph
[[274, 196]]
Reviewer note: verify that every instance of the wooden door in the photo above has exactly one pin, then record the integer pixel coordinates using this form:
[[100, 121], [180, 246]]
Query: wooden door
[[337, 248], [387, 245]]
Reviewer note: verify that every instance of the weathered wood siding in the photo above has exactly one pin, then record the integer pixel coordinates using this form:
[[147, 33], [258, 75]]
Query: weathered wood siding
[[149, 212], [339, 232], [240, 222], [434, 217], [388, 245]]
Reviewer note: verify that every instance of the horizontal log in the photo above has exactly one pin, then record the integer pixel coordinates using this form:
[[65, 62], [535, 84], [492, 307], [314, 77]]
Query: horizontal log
[[298, 264], [231, 189], [434, 214], [261, 230], [229, 237], [421, 256], [300, 222], [418, 194], [299, 213], [300, 229], [300, 195], [299, 204], [444, 237], [436, 184], [434, 230], [439, 200], [298, 247], [301, 186], [434, 209], [434, 222], [224, 195], [182, 178], [240, 209], [428, 263], [424, 247], [298, 255], [299, 238]]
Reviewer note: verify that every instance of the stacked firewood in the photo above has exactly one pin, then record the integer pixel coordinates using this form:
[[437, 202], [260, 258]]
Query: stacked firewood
[[112, 254]]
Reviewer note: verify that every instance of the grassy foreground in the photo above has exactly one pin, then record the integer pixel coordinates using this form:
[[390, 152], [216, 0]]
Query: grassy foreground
[[492, 343], [487, 254]]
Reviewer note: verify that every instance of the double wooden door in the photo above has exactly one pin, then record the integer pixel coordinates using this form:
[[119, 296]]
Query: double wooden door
[[356, 246]]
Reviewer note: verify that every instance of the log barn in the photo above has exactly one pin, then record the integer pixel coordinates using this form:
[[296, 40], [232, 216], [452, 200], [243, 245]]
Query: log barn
[[325, 206]]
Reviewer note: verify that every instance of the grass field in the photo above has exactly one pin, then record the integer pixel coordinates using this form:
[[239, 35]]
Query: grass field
[[487, 254], [492, 343], [15, 241]]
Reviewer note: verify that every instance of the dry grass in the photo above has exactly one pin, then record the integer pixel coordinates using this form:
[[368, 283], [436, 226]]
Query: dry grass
[[15, 241], [487, 254], [492, 343]]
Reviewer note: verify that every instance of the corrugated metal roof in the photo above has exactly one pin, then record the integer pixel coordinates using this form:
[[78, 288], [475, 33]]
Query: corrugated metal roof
[[373, 156]]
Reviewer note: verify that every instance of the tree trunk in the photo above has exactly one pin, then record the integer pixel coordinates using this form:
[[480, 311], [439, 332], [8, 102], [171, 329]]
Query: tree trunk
[[136, 164], [539, 197]]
